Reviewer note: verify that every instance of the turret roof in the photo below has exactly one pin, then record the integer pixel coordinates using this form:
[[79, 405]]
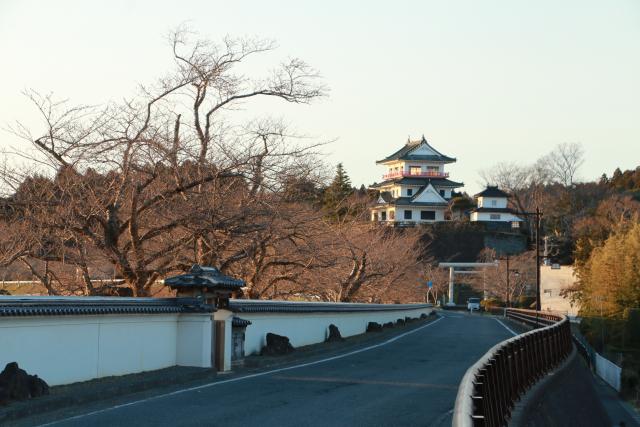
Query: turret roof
[[405, 153], [492, 191]]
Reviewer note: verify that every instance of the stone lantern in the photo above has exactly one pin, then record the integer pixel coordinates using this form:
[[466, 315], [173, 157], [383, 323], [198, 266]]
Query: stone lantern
[[206, 282]]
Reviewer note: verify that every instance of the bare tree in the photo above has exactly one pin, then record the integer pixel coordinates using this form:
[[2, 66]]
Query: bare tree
[[439, 278], [361, 263], [564, 161], [521, 275], [138, 182]]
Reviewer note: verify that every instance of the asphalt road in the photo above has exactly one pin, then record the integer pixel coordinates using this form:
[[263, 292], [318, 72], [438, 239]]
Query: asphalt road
[[409, 380]]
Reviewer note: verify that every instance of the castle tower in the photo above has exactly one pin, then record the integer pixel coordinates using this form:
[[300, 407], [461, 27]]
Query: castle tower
[[416, 189]]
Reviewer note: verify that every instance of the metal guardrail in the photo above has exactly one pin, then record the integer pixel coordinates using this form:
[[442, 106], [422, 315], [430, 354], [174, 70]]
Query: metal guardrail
[[489, 389]]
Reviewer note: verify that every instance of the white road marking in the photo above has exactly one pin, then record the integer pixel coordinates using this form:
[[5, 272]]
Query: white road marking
[[506, 327], [246, 377]]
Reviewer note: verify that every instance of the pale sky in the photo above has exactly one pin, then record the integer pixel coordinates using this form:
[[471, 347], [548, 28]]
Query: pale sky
[[484, 81]]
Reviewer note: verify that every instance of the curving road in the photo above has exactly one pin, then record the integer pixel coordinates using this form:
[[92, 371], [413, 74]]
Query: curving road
[[408, 380]]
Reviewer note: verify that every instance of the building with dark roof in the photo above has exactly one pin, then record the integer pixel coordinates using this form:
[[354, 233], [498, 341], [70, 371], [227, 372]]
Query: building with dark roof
[[492, 206], [416, 188]]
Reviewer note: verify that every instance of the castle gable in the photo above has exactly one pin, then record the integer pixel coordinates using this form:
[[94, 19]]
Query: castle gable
[[428, 195]]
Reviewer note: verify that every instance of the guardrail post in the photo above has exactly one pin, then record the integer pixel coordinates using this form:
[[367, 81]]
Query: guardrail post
[[492, 398], [525, 360], [478, 400], [485, 411], [516, 369], [502, 384]]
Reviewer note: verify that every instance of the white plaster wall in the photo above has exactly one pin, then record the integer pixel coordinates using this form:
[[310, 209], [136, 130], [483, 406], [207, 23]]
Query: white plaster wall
[[423, 166], [486, 216], [447, 192], [403, 166], [430, 195], [415, 216], [552, 282], [485, 202], [194, 340], [67, 349], [311, 328], [397, 166]]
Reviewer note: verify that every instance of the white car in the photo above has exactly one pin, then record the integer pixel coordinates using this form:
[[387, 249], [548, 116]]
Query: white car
[[473, 304]]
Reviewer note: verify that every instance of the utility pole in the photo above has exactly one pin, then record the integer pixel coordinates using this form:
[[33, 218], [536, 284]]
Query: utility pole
[[538, 219]]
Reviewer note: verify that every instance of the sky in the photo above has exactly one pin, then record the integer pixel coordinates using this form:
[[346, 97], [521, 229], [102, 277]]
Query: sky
[[483, 81]]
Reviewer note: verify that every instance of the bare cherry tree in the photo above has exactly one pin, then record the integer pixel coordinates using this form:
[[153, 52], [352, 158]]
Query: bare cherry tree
[[140, 181], [521, 276], [439, 278], [359, 262]]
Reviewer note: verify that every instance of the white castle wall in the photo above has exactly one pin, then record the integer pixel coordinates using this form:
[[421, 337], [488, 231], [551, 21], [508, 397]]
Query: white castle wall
[[63, 349]]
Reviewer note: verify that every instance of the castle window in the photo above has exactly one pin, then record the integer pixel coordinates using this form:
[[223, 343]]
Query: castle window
[[494, 203], [409, 191], [407, 214], [428, 215], [415, 170], [494, 217], [442, 193]]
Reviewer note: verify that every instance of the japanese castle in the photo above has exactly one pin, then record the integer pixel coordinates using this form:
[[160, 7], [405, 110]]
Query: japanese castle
[[416, 188]]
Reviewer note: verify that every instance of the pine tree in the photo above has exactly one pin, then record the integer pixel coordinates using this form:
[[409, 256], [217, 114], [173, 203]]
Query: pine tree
[[336, 193]]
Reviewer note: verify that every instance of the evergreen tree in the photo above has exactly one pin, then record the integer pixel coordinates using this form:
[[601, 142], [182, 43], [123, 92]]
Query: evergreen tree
[[604, 180], [336, 193]]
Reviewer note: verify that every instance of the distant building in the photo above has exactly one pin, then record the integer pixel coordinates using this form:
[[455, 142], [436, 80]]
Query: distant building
[[553, 280], [492, 206], [416, 188]]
